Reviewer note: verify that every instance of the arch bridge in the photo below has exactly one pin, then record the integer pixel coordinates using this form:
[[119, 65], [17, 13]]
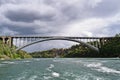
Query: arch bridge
[[23, 41]]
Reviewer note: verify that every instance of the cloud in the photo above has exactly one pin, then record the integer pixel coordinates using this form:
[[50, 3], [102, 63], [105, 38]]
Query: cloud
[[93, 26], [6, 31], [94, 3], [22, 12], [60, 17]]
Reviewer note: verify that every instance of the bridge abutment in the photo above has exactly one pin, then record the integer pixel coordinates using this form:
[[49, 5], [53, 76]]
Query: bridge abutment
[[7, 40]]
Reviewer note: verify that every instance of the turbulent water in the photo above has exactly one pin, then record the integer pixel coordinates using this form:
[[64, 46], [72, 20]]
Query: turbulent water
[[61, 69]]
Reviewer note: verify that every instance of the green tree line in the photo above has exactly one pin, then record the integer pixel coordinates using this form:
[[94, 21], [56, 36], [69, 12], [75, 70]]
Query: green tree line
[[7, 52], [110, 49]]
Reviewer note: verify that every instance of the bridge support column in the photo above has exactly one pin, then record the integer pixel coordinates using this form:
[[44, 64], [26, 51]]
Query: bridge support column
[[7, 40], [3, 40], [10, 41], [102, 42]]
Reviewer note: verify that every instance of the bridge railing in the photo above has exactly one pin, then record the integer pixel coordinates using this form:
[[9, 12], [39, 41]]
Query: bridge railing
[[20, 40]]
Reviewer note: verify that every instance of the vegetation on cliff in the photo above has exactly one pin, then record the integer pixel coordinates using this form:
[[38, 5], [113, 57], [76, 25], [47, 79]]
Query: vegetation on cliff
[[110, 49], [7, 52], [74, 51], [49, 53]]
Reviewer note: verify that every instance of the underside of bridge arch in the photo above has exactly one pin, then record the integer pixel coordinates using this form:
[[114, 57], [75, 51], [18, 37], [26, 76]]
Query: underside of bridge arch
[[81, 42]]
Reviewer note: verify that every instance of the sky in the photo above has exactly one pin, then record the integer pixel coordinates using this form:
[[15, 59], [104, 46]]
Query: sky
[[86, 18]]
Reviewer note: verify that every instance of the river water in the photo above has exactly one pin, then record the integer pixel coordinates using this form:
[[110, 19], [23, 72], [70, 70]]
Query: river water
[[61, 69]]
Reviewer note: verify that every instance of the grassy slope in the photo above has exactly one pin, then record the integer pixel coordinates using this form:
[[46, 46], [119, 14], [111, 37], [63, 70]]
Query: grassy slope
[[7, 52]]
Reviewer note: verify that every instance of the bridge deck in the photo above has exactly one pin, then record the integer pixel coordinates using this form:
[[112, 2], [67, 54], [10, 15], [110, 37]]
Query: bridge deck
[[37, 36]]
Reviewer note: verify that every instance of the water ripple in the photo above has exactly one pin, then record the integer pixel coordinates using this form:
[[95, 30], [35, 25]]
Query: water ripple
[[99, 67]]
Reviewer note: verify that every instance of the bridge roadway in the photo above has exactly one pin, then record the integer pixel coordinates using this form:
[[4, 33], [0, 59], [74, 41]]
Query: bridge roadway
[[37, 36], [22, 41]]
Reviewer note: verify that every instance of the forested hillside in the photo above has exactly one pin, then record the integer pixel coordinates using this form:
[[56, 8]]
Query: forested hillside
[[110, 49]]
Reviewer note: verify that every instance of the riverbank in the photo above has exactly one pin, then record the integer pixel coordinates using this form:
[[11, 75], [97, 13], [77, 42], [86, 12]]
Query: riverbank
[[5, 57], [7, 53]]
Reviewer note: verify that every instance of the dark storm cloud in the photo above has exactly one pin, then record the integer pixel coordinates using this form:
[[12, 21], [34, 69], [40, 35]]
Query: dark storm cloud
[[26, 16], [60, 17], [21, 15], [16, 29], [53, 17]]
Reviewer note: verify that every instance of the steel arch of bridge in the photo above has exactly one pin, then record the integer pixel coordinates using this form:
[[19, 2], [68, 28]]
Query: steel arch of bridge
[[67, 39]]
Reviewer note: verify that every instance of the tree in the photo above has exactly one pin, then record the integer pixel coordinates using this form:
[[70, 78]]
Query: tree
[[112, 47]]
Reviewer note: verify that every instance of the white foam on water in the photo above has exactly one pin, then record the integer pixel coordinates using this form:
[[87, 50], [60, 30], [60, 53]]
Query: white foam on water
[[84, 76], [94, 65], [26, 61], [75, 76], [55, 74], [20, 78], [77, 61], [50, 67], [8, 62], [62, 60], [89, 77], [108, 70], [47, 77], [99, 67], [104, 61], [70, 74], [33, 77], [55, 60], [37, 59]]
